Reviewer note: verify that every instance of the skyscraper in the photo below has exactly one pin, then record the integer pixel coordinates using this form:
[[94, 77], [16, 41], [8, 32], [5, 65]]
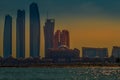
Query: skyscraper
[[34, 31], [64, 38], [61, 38], [7, 39], [49, 34], [20, 34], [57, 39]]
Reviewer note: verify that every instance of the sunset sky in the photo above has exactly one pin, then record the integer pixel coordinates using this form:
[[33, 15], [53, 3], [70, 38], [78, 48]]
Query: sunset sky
[[91, 23]]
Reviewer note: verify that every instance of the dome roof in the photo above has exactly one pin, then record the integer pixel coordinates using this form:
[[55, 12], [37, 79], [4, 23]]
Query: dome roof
[[63, 47]]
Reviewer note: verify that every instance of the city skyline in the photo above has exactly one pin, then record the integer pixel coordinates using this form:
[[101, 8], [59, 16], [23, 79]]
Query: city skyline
[[107, 28], [60, 39]]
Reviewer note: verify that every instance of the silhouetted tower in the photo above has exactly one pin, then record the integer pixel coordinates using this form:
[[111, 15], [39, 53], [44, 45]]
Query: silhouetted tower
[[56, 42], [64, 38], [34, 31], [7, 39], [61, 38], [20, 34], [49, 34]]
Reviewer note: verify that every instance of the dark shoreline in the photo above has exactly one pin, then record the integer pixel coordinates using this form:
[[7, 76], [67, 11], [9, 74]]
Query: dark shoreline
[[60, 65]]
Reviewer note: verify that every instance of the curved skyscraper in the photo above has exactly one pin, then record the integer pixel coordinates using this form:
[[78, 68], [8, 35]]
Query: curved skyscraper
[[49, 34], [20, 34], [34, 31], [7, 39]]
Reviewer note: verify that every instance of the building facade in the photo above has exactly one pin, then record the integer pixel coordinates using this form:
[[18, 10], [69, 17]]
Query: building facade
[[34, 31], [94, 52], [20, 34], [56, 41], [61, 38], [64, 38], [63, 52], [49, 34], [116, 52], [7, 39]]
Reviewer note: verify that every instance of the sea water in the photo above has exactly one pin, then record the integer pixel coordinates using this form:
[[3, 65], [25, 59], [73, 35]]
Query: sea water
[[60, 73]]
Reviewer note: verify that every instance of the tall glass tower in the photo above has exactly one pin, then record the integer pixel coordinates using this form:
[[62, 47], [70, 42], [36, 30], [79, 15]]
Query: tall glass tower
[[34, 31], [49, 34], [20, 34], [7, 39]]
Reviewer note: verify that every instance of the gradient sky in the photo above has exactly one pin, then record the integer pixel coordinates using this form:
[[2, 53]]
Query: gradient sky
[[92, 23]]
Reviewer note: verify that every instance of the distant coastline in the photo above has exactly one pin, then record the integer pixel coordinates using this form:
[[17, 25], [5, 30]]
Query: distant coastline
[[54, 65]]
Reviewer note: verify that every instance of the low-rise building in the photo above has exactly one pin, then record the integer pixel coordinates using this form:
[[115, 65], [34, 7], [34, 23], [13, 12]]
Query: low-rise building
[[116, 52], [63, 52], [88, 52]]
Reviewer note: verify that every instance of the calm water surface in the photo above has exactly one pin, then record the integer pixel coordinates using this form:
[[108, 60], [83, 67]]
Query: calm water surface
[[59, 73]]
